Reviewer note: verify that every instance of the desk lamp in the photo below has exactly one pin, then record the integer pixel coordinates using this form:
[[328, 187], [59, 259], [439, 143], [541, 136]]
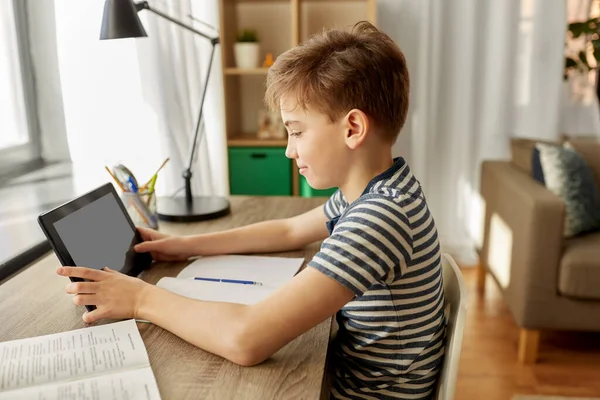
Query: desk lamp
[[120, 20]]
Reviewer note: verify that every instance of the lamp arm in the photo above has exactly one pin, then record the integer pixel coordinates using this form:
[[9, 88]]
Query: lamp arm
[[144, 5], [187, 174]]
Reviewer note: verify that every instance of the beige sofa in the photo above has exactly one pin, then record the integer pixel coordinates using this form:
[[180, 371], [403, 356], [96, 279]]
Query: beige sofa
[[548, 282]]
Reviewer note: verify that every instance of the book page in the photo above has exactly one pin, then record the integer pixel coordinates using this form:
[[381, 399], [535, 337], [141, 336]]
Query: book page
[[215, 291], [136, 384], [269, 271], [74, 354]]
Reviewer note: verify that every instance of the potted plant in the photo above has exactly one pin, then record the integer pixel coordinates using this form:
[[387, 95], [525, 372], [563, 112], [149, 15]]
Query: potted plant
[[246, 49], [584, 37]]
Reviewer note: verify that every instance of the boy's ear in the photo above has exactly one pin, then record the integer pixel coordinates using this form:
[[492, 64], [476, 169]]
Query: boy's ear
[[356, 126]]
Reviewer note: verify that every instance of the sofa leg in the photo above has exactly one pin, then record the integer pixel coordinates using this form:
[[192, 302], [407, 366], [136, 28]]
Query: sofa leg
[[481, 275], [529, 342]]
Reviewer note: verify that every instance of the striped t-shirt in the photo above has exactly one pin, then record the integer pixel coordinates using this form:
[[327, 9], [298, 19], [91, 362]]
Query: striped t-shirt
[[384, 247]]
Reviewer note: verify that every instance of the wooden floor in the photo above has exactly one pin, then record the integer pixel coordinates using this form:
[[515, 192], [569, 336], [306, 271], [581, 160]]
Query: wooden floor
[[569, 363]]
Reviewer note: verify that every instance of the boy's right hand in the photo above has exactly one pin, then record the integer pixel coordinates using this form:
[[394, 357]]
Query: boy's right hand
[[163, 247]]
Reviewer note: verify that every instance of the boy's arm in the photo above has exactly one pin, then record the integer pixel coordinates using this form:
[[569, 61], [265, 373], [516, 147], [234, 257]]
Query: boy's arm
[[263, 237], [248, 335]]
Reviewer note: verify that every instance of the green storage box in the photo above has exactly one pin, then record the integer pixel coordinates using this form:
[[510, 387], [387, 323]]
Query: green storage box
[[263, 171], [307, 191]]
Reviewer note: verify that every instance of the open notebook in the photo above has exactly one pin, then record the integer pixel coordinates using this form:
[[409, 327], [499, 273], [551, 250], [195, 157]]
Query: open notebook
[[270, 272]]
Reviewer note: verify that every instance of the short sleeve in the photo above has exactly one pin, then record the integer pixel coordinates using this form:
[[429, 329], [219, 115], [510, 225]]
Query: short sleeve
[[368, 243], [335, 205]]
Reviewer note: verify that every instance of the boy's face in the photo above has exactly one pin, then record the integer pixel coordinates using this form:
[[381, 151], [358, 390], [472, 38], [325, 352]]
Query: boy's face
[[316, 144]]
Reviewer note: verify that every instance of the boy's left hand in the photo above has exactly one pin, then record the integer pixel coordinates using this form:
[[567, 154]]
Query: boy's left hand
[[114, 294]]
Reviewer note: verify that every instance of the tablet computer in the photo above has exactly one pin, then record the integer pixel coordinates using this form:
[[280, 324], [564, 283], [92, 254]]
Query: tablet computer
[[95, 231]]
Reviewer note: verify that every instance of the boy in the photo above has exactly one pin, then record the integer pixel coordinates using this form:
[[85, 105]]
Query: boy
[[343, 97]]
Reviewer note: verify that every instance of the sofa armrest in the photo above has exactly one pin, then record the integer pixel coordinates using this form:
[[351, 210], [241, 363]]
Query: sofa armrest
[[523, 238]]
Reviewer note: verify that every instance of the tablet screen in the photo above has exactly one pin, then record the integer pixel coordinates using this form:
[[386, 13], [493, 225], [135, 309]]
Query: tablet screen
[[97, 235]]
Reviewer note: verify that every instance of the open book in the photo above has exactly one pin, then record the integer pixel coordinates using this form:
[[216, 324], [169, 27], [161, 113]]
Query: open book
[[269, 272], [102, 362]]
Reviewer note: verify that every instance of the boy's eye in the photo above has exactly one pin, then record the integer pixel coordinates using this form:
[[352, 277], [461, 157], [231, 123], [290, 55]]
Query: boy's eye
[[295, 133]]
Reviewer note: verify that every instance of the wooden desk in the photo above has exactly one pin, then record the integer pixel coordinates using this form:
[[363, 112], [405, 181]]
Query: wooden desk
[[34, 303]]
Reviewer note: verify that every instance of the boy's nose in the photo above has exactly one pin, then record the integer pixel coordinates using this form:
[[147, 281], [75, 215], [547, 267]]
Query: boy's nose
[[290, 150]]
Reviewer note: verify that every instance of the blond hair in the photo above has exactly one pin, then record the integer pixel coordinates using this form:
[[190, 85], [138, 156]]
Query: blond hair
[[337, 71]]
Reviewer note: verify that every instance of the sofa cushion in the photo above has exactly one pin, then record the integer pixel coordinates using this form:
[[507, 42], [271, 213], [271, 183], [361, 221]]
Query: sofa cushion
[[579, 274], [590, 151], [521, 152], [537, 172], [568, 175]]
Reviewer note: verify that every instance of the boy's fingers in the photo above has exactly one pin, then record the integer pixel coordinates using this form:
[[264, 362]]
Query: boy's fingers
[[144, 247], [92, 316], [84, 299], [145, 232], [81, 287], [81, 272], [140, 247]]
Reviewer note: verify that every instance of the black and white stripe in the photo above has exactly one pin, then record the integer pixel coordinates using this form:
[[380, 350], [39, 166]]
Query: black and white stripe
[[384, 247]]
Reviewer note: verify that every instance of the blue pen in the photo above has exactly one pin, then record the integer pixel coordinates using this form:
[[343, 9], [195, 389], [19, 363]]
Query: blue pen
[[228, 281], [132, 185]]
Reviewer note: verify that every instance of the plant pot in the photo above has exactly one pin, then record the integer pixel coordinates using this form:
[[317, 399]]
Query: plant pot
[[247, 54]]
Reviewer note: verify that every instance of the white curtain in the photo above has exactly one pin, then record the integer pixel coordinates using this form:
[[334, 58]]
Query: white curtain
[[180, 61], [135, 101], [482, 71], [49, 102]]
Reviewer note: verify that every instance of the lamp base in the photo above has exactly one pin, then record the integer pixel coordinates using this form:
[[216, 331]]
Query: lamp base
[[176, 209]]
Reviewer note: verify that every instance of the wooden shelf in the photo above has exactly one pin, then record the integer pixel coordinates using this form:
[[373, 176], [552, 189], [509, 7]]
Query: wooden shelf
[[249, 141], [246, 71], [281, 25]]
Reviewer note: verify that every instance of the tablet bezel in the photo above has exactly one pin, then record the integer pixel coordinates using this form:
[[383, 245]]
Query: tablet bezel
[[47, 220]]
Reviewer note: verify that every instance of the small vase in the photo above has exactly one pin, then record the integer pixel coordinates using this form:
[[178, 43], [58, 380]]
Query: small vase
[[246, 55]]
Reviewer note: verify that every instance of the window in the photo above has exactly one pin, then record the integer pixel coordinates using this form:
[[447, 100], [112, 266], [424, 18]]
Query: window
[[19, 138]]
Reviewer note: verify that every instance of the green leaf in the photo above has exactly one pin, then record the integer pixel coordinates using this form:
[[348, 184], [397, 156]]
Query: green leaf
[[578, 28], [596, 44], [248, 36], [583, 58], [592, 24], [597, 55], [570, 63]]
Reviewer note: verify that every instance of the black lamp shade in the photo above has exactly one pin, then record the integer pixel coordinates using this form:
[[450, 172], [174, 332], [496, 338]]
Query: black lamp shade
[[120, 20]]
